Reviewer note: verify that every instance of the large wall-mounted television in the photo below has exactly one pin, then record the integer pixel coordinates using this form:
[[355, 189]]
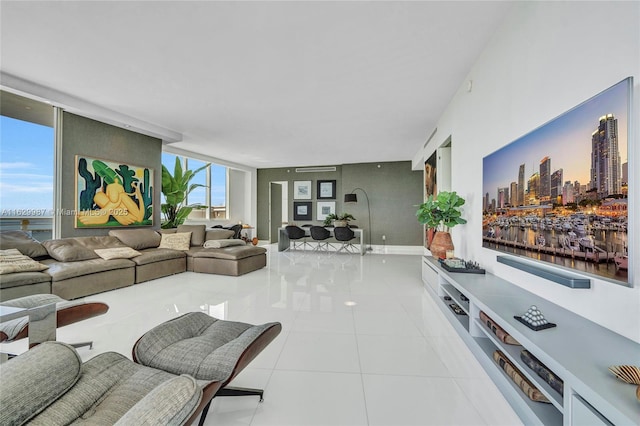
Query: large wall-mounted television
[[560, 193]]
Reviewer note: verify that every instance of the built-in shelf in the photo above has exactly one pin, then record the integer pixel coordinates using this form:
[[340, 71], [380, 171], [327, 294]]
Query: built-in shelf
[[578, 351], [540, 271]]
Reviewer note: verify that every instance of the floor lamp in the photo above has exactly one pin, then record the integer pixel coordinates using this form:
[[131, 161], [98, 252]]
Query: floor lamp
[[353, 198]]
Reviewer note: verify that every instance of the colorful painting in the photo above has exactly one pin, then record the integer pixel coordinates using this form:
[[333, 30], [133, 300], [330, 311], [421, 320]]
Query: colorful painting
[[112, 194]]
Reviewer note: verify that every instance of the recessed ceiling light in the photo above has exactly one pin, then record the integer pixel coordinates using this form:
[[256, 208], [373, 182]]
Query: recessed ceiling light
[[350, 303]]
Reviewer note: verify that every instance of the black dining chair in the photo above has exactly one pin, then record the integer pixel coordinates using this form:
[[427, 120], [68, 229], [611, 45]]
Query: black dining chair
[[320, 234], [295, 233], [345, 235]]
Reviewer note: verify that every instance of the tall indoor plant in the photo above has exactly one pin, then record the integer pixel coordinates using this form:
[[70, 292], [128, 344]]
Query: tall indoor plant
[[442, 213], [175, 189]]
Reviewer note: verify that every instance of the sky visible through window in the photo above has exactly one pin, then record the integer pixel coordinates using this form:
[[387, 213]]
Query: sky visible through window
[[26, 168]]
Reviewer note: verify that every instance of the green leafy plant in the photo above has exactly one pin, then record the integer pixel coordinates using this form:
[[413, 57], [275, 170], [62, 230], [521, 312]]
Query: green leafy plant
[[441, 212], [175, 188], [332, 216]]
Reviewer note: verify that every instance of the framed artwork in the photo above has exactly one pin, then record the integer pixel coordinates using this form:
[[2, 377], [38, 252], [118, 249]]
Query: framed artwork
[[325, 208], [302, 210], [302, 190], [112, 194], [326, 190]]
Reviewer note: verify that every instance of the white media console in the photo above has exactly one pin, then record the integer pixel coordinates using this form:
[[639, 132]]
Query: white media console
[[577, 350]]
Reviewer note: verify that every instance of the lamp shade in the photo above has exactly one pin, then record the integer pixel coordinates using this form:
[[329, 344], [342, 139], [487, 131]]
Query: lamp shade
[[350, 198]]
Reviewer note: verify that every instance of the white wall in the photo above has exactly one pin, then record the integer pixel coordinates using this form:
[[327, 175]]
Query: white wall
[[546, 58]]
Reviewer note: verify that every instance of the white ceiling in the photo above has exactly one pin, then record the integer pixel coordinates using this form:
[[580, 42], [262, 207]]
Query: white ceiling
[[264, 84]]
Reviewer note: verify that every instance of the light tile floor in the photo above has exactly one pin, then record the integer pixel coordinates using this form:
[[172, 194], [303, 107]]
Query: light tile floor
[[362, 342]]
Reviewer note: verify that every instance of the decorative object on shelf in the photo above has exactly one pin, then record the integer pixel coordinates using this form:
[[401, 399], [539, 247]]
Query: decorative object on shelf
[[352, 197], [627, 373], [534, 319], [497, 330], [443, 213], [525, 385], [543, 371], [254, 241], [338, 220], [175, 189], [326, 190], [457, 309], [459, 265]]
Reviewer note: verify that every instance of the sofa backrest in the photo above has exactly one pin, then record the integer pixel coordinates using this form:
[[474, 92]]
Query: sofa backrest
[[79, 248], [24, 243]]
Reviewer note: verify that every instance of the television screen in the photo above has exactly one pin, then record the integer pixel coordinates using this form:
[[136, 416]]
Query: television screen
[[559, 194]]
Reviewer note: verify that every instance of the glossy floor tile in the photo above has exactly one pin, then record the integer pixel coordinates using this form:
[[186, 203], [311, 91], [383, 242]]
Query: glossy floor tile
[[362, 343]]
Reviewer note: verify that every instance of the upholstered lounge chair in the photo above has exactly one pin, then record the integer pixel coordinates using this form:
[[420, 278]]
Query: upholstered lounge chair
[[67, 312], [205, 348], [49, 385]]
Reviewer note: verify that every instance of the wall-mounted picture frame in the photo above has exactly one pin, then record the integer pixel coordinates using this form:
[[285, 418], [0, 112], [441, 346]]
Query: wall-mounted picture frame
[[302, 190], [302, 210], [326, 190], [112, 194], [324, 208]]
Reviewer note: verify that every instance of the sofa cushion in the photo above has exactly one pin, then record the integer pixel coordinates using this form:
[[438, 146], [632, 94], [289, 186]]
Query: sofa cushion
[[197, 233], [223, 243], [177, 241], [157, 255], [64, 270], [24, 242], [230, 253], [171, 403], [12, 261], [218, 234], [79, 248], [27, 385], [137, 239], [117, 253], [110, 384], [23, 278]]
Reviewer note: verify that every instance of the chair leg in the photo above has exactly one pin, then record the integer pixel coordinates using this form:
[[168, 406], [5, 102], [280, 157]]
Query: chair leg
[[235, 391], [205, 411]]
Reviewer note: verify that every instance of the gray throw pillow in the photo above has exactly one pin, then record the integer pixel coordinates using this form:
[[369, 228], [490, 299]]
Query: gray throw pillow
[[137, 239], [197, 233], [23, 242]]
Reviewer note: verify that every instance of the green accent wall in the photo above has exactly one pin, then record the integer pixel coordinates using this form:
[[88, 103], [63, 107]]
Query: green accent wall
[[83, 136], [394, 192]]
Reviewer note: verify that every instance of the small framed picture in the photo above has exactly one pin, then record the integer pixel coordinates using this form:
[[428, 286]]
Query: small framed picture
[[325, 208], [302, 210], [302, 190], [326, 190]]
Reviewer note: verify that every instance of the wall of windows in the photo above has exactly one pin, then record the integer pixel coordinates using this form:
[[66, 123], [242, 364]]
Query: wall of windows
[[210, 200], [26, 169]]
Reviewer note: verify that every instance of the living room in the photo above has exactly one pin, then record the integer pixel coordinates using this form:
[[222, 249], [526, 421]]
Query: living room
[[540, 60]]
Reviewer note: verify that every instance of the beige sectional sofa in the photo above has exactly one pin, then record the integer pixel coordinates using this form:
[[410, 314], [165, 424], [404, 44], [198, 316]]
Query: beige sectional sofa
[[76, 270]]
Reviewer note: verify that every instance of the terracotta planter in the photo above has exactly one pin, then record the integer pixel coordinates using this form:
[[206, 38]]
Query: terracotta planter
[[430, 233], [440, 244]]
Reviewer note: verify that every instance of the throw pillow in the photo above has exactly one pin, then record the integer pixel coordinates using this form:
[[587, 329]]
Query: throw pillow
[[197, 233], [218, 234], [223, 243], [12, 261], [137, 239], [117, 253], [177, 241]]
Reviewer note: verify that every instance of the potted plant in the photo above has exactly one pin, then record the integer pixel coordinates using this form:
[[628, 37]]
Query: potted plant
[[341, 220], [441, 213], [175, 189]]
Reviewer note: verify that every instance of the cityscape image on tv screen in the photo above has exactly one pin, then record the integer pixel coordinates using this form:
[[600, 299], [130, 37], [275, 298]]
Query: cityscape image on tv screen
[[559, 194]]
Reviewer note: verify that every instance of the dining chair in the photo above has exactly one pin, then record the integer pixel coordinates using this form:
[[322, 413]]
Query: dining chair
[[320, 234], [297, 236], [345, 235]]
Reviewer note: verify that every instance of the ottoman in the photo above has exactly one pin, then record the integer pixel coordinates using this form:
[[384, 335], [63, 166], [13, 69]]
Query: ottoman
[[234, 260]]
